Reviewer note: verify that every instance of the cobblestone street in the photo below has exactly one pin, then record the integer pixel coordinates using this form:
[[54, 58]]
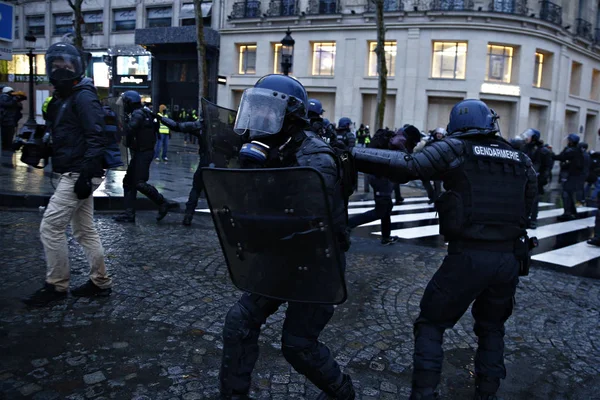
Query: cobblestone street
[[159, 335]]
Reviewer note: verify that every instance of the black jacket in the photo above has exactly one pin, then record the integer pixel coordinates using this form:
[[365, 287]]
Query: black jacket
[[140, 130], [541, 157], [571, 167], [9, 110], [78, 138]]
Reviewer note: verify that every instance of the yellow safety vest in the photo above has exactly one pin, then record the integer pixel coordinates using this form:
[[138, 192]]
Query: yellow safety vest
[[163, 128]]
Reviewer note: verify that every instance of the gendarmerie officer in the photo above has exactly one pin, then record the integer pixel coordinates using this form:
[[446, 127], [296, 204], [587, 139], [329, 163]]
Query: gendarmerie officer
[[490, 188]]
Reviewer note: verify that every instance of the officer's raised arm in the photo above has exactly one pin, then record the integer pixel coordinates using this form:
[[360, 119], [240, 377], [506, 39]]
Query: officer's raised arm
[[402, 167]]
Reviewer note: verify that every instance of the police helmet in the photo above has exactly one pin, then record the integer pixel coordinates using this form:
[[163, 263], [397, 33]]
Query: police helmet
[[573, 138], [64, 65], [344, 122], [7, 89], [273, 99], [438, 132], [583, 145], [315, 107], [534, 134], [326, 122], [131, 100], [472, 115]]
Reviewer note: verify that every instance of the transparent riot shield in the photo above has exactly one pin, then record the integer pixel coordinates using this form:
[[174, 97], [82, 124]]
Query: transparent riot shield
[[276, 232], [221, 142], [116, 104]]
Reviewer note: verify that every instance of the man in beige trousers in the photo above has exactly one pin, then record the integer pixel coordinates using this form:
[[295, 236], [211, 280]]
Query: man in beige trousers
[[76, 119]]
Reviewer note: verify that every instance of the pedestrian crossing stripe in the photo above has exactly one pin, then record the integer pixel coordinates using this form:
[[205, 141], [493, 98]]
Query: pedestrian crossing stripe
[[569, 256]]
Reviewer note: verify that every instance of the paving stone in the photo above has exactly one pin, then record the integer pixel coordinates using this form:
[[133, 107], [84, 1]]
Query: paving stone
[[93, 378]]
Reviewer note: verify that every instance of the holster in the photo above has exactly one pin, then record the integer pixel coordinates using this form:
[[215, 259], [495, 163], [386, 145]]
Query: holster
[[523, 247]]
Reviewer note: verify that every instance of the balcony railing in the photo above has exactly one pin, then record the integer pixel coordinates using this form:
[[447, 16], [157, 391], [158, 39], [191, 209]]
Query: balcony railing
[[584, 29], [509, 6], [551, 12], [323, 7], [388, 5], [246, 9], [283, 8], [451, 5]]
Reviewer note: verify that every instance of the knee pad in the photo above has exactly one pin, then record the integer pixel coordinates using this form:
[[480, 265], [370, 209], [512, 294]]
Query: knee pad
[[236, 325]]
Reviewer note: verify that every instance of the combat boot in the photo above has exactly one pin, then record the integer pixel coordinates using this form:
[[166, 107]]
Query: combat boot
[[343, 391], [419, 393], [44, 296], [486, 388], [163, 210], [127, 216], [187, 219], [595, 241]]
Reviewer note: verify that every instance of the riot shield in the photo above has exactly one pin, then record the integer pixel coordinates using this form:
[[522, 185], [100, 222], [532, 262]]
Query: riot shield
[[221, 142], [276, 233], [116, 104]]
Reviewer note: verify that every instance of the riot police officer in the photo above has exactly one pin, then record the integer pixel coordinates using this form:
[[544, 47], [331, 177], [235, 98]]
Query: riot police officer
[[140, 131], [483, 215], [344, 134], [541, 157], [192, 128], [280, 140], [571, 175]]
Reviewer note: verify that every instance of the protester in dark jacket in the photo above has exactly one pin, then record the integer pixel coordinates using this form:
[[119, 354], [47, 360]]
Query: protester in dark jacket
[[541, 157], [76, 120], [9, 110]]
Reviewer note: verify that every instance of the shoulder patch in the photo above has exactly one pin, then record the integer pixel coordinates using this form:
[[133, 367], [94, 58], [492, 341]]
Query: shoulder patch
[[487, 151]]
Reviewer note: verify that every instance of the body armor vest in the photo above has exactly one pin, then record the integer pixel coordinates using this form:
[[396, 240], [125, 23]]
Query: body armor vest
[[490, 188]]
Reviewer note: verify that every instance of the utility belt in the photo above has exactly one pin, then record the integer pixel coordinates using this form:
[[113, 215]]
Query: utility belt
[[521, 248]]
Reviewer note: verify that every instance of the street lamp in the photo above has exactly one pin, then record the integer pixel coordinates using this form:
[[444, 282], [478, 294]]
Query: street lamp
[[30, 43], [287, 51]]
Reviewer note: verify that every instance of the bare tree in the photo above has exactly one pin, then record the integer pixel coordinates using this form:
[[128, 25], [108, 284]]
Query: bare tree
[[201, 47], [76, 5], [382, 70]]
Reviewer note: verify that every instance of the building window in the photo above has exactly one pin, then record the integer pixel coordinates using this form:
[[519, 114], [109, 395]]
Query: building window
[[36, 25], [247, 63], [499, 63], [187, 14], [159, 17], [124, 20], [277, 59], [323, 59], [595, 91], [134, 65], [19, 66], [449, 60], [16, 27], [538, 70], [94, 21], [390, 58], [575, 84], [63, 23]]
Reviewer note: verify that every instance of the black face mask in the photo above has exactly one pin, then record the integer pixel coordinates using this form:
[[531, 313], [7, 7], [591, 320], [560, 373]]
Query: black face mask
[[63, 80]]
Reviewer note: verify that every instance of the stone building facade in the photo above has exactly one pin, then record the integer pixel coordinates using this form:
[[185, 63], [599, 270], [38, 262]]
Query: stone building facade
[[536, 63]]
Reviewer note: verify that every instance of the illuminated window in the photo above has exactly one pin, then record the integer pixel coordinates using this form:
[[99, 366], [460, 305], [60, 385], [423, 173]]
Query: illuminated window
[[19, 65], [538, 69], [247, 63], [323, 59], [390, 58], [277, 59], [449, 60], [499, 63]]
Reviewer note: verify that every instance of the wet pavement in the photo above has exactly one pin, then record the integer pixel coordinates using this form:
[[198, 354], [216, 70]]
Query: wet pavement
[[159, 335], [25, 186]]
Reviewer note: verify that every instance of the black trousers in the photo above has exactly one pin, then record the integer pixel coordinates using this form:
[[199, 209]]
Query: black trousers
[[197, 188], [397, 193], [136, 178], [490, 280], [383, 211], [299, 343], [7, 135]]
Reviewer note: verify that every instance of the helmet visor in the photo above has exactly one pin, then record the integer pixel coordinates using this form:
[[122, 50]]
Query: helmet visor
[[63, 62], [261, 112]]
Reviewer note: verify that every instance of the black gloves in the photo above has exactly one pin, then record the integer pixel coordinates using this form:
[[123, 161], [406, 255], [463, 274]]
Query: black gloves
[[83, 187]]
